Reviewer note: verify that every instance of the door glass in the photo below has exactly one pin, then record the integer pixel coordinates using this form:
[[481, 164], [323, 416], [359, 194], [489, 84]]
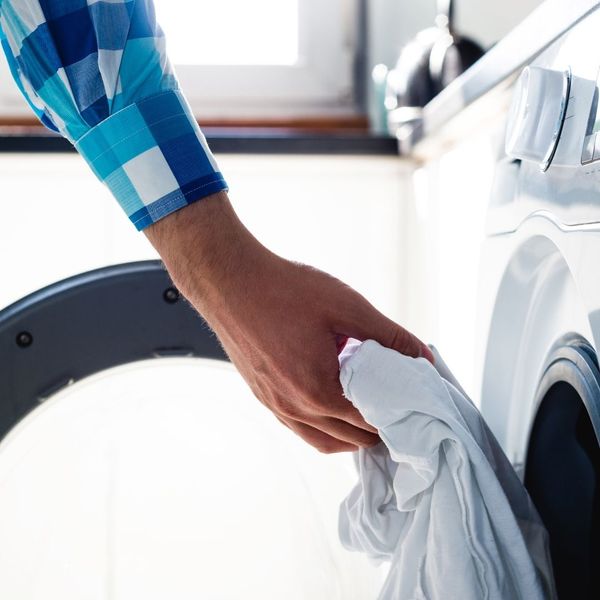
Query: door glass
[[167, 479]]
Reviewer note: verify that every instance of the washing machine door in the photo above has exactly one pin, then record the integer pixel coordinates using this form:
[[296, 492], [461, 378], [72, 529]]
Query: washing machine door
[[90, 323], [136, 464], [563, 467]]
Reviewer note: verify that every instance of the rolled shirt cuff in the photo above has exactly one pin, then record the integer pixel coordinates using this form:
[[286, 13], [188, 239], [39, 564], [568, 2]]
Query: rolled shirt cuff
[[153, 158]]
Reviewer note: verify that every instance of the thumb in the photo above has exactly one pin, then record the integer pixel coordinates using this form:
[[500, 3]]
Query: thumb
[[370, 324]]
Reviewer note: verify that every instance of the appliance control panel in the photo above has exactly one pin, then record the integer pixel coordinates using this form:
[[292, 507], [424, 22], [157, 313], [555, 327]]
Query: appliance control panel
[[537, 114], [553, 137], [554, 118]]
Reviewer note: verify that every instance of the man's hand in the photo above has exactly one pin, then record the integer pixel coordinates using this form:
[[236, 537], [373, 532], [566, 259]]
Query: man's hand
[[278, 321]]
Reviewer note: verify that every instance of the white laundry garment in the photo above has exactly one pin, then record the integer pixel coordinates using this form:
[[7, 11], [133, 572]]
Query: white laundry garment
[[438, 498]]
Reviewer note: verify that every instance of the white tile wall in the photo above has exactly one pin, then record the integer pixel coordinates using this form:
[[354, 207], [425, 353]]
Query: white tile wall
[[341, 214]]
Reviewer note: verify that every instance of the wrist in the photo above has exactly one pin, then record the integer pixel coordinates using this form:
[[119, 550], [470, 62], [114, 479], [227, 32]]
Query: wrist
[[205, 247]]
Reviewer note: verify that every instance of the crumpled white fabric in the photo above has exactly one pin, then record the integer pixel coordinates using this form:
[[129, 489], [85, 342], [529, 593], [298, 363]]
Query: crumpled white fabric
[[438, 498]]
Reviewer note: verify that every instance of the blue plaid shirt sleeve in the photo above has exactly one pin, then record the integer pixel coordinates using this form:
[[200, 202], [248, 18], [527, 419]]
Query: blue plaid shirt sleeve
[[97, 72]]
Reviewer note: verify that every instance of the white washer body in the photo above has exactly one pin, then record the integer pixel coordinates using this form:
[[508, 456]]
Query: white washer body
[[512, 250], [513, 178], [539, 278]]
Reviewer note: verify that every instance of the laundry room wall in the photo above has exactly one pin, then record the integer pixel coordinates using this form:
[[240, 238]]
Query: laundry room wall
[[340, 214]]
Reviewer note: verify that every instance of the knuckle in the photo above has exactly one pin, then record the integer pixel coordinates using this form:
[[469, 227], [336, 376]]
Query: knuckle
[[313, 386], [333, 447], [400, 336], [319, 405], [288, 408], [327, 449], [404, 340], [327, 399]]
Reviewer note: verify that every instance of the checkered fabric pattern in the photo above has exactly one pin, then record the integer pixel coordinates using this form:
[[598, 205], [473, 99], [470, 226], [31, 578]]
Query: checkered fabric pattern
[[97, 72]]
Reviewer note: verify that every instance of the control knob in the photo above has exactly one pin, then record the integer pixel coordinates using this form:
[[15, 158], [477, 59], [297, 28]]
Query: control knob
[[537, 115]]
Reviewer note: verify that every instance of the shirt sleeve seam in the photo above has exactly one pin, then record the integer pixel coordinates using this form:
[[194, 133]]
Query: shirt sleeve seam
[[219, 179]]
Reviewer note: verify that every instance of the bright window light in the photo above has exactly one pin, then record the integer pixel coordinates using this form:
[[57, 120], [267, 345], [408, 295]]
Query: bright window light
[[230, 32]]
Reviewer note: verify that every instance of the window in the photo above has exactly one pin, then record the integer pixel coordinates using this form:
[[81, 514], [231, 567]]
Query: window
[[261, 59], [249, 38]]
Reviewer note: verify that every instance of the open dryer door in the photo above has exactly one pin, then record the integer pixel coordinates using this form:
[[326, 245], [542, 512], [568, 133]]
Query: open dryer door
[[563, 467], [90, 323], [134, 462]]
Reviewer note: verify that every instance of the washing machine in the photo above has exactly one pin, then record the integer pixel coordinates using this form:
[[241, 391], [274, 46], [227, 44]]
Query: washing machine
[[528, 114]]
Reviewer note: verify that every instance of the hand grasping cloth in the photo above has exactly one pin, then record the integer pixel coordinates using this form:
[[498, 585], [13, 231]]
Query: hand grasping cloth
[[438, 498]]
